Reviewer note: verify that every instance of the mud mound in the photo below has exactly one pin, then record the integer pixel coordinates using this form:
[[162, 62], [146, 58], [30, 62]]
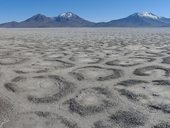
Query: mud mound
[[39, 119], [129, 119], [96, 73], [92, 100]]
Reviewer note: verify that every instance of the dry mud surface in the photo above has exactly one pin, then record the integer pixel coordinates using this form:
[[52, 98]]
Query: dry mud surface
[[85, 78]]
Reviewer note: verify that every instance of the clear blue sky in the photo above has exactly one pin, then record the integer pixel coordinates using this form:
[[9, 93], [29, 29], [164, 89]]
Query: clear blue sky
[[93, 10]]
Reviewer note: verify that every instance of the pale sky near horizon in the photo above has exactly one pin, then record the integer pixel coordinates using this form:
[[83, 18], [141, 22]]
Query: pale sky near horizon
[[93, 10]]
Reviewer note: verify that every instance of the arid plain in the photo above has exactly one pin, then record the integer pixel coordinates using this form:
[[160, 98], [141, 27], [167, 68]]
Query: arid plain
[[85, 78]]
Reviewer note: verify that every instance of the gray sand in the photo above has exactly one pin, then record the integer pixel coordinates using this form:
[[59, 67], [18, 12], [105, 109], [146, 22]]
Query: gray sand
[[85, 78]]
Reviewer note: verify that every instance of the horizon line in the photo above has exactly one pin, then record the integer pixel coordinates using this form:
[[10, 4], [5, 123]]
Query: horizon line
[[18, 21]]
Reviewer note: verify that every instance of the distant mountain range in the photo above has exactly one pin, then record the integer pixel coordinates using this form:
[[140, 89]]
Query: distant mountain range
[[69, 19]]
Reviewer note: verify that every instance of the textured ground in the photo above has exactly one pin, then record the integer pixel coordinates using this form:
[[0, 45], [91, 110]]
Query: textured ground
[[85, 78]]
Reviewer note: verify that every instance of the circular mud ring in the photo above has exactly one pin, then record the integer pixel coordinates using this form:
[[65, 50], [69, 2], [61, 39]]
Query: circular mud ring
[[41, 89], [96, 73], [39, 119], [147, 71], [12, 61], [92, 100], [133, 61]]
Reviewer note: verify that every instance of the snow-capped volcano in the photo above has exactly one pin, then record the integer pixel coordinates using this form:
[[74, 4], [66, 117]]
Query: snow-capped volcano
[[148, 15], [70, 19], [140, 19]]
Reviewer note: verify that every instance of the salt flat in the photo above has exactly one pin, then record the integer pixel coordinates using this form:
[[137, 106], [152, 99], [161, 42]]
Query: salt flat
[[85, 78]]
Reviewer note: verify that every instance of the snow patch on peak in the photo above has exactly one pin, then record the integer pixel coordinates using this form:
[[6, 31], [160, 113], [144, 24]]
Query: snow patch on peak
[[66, 15], [148, 15]]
